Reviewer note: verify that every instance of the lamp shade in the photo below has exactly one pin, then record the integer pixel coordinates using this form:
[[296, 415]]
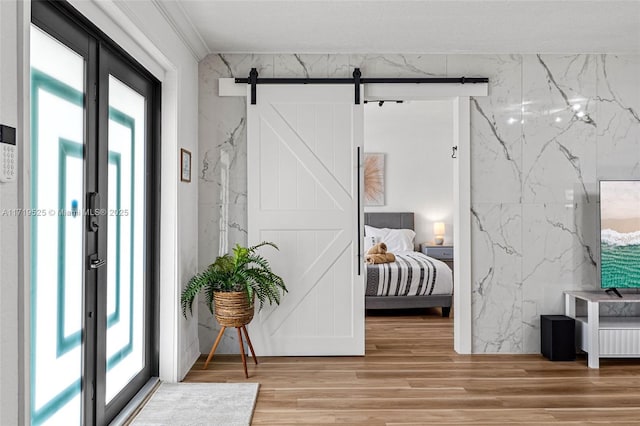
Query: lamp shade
[[438, 228]]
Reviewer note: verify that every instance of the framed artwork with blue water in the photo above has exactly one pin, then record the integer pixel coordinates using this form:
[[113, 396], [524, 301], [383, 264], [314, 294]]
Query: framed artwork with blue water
[[620, 234]]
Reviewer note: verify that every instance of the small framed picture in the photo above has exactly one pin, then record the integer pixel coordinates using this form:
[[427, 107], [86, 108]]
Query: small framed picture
[[185, 165]]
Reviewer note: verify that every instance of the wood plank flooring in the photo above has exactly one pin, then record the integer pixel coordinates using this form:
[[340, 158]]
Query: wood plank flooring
[[411, 376]]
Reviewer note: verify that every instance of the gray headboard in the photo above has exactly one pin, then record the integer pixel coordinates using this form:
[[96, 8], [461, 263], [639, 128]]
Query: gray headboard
[[389, 220]]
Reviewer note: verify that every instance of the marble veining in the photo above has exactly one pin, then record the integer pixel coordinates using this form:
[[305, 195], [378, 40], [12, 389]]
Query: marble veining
[[300, 65], [399, 65], [614, 97], [551, 126], [496, 129], [504, 147], [577, 236], [558, 126], [497, 282], [226, 64], [584, 118], [618, 107]]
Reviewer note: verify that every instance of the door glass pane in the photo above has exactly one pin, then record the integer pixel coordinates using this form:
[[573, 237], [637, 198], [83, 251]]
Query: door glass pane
[[126, 248], [57, 226]]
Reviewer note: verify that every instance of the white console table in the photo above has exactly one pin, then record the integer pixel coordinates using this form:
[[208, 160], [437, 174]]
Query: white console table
[[603, 337]]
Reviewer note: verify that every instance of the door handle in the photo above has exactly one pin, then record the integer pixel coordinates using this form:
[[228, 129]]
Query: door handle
[[96, 263], [93, 202], [358, 214]]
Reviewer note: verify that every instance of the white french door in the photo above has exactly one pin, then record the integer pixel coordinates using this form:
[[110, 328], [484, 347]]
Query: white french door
[[304, 180]]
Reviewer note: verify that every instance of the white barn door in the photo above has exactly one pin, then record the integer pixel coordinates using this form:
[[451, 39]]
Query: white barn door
[[303, 171]]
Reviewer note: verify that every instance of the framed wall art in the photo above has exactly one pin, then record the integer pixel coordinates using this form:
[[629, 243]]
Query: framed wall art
[[373, 179]]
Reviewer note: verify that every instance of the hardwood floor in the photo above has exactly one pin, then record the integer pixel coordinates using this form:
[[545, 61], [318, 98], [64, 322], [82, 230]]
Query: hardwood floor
[[411, 376]]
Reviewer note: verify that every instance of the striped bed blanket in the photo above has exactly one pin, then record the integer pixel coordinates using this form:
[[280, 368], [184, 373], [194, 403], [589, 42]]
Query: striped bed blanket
[[412, 274]]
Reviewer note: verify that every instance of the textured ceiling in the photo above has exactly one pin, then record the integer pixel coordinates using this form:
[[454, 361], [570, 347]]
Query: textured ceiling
[[428, 26]]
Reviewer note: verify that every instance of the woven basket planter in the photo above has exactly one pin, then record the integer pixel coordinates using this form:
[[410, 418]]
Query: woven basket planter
[[232, 309]]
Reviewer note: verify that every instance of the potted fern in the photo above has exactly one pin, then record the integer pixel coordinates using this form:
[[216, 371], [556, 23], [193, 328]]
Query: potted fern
[[232, 283]]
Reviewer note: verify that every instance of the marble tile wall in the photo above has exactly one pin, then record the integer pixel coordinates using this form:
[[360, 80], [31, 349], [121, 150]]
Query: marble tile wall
[[551, 126]]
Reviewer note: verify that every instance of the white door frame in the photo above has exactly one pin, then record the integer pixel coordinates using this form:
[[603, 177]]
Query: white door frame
[[460, 95]]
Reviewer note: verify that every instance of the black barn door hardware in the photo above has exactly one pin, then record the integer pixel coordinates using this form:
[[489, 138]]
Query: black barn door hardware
[[454, 152], [357, 80], [253, 81], [381, 102]]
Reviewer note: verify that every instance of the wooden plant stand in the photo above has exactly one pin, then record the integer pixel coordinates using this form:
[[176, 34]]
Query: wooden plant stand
[[232, 309], [244, 359]]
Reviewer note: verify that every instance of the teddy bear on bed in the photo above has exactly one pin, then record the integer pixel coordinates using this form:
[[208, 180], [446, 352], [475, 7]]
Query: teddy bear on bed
[[378, 254]]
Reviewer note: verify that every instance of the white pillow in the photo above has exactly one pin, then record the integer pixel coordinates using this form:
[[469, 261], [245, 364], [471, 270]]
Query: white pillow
[[370, 241], [397, 240]]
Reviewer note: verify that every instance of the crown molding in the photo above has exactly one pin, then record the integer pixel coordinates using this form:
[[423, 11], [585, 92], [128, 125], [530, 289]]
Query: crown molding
[[176, 16]]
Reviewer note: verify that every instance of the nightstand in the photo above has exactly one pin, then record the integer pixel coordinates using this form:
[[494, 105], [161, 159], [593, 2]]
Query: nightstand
[[443, 253]]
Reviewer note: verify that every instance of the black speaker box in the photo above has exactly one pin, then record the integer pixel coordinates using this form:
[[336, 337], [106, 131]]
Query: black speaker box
[[558, 337]]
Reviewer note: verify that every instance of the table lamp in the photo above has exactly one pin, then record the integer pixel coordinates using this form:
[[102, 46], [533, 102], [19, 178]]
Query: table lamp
[[438, 232]]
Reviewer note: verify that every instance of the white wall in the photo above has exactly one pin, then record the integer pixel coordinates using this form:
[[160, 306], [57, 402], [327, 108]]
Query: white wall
[[9, 365], [416, 138], [143, 31]]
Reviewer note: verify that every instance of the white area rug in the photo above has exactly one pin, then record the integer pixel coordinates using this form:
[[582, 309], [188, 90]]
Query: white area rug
[[199, 404]]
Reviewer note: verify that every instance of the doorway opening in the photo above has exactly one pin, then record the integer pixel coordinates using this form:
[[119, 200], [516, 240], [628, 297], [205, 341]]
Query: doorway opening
[[409, 206]]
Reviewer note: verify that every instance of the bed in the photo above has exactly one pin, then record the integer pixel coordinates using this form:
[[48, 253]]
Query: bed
[[413, 281]]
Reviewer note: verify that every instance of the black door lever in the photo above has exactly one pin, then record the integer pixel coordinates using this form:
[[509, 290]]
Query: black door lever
[[93, 203]]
